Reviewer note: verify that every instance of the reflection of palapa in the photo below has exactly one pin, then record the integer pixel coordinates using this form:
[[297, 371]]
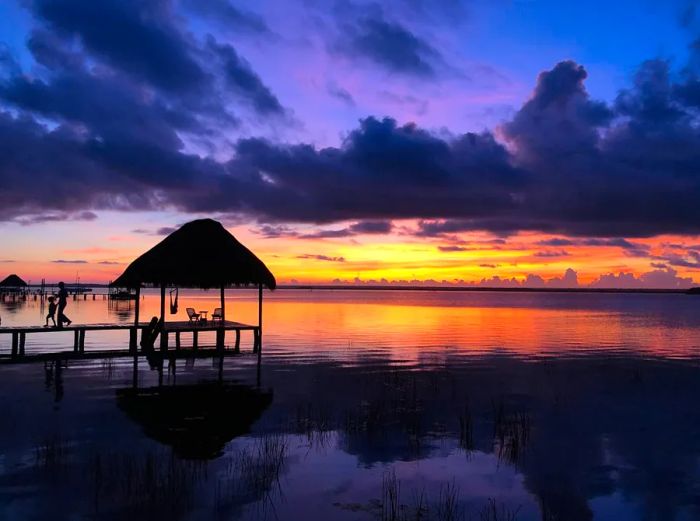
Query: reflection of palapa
[[196, 420]]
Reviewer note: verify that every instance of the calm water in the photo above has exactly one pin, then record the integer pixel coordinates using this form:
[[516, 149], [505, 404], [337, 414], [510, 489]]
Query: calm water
[[368, 405]]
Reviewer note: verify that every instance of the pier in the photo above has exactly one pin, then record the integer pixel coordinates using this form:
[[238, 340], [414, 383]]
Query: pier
[[19, 335]]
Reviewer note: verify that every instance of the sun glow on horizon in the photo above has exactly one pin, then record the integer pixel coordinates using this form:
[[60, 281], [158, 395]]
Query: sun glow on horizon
[[100, 250]]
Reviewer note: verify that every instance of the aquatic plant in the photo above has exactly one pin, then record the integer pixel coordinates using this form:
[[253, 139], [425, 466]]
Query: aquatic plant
[[493, 512]]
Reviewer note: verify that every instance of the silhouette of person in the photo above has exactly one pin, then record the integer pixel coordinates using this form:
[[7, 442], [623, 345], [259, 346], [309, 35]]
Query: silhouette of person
[[52, 313], [62, 303]]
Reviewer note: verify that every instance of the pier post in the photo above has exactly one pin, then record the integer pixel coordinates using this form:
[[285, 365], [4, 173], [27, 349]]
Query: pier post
[[82, 341], [15, 342], [22, 339], [238, 341], [177, 340], [133, 335], [75, 341], [195, 335]]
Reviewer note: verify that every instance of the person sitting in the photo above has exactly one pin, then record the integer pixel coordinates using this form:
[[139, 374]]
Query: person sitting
[[52, 313]]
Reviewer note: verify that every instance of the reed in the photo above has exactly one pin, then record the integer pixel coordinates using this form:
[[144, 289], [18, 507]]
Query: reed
[[492, 511]]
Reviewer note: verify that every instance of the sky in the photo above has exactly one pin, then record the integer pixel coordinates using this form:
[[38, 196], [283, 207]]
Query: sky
[[499, 143]]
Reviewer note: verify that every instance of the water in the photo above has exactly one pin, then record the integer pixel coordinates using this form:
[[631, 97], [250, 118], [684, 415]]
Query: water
[[448, 405]]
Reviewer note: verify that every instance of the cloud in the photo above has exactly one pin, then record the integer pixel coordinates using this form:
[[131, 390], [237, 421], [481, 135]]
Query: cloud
[[240, 78], [340, 93], [108, 127], [452, 248], [359, 228], [657, 279], [110, 263], [388, 44], [141, 38], [551, 253], [227, 16], [57, 217], [321, 258], [69, 261]]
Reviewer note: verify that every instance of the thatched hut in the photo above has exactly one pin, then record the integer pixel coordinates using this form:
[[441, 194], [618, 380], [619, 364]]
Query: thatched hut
[[200, 254], [12, 283]]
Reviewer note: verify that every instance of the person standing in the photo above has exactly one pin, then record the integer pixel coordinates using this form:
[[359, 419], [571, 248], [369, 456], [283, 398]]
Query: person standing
[[62, 303]]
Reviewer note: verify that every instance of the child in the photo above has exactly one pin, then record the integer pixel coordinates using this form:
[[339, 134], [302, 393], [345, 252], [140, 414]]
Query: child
[[52, 313]]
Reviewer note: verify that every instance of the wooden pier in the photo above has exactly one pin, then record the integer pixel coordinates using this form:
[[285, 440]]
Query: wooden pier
[[19, 335]]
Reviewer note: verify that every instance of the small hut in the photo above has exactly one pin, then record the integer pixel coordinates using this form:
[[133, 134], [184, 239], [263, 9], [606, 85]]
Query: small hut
[[12, 284], [200, 254]]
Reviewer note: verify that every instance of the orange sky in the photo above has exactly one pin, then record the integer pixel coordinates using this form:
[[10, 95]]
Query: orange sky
[[99, 250]]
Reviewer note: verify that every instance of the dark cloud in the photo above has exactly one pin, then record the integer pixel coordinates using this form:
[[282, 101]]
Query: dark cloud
[[388, 44], [340, 93], [165, 230], [109, 263], [558, 241], [240, 78], [69, 261], [101, 125], [552, 253], [370, 227], [321, 258], [227, 16], [141, 38], [452, 248], [57, 217]]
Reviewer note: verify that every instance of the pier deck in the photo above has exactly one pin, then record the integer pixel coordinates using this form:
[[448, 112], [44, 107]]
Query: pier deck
[[19, 335]]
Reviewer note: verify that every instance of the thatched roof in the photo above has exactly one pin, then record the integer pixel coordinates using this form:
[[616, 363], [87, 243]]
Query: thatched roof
[[201, 254], [12, 281]]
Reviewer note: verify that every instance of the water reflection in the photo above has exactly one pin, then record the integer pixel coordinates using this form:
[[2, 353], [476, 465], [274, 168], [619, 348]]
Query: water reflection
[[408, 423], [196, 420]]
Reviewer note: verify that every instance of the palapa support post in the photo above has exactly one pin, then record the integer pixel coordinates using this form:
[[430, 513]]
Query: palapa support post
[[134, 332], [163, 334], [221, 333], [137, 306], [260, 321]]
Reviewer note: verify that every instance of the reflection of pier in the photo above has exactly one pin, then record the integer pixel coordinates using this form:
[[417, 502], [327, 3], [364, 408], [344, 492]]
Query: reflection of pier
[[19, 335]]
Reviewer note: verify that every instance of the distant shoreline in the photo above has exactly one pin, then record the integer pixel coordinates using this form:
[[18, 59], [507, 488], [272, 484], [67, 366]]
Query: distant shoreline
[[385, 287]]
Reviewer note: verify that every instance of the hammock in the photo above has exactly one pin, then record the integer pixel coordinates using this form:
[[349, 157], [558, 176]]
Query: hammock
[[173, 303]]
